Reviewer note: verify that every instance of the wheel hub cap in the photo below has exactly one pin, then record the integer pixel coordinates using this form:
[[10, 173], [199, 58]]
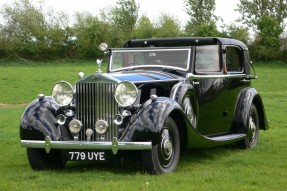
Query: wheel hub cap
[[252, 129], [166, 146]]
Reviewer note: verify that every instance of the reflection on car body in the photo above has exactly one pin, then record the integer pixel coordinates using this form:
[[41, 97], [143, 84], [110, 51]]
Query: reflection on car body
[[157, 97]]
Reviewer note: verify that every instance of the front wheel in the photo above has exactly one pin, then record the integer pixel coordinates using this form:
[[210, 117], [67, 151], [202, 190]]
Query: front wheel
[[164, 156], [252, 132], [40, 160]]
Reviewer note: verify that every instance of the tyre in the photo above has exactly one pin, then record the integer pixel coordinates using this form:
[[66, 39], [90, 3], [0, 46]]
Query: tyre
[[40, 160], [252, 131], [164, 156]]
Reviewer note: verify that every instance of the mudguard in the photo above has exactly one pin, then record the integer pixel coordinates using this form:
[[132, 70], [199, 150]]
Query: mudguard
[[179, 90], [246, 98], [149, 120], [39, 120]]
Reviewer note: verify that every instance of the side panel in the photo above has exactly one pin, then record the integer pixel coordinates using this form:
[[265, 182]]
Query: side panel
[[39, 121], [212, 106]]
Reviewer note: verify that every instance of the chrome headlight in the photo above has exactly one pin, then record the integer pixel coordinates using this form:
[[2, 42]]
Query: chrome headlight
[[62, 93], [126, 94]]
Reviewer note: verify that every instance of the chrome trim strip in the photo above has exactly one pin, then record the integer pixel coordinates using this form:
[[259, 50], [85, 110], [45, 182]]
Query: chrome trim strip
[[115, 145], [153, 81], [194, 76], [175, 91]]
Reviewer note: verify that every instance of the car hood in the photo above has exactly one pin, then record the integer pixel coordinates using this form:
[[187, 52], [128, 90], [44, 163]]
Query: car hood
[[131, 76]]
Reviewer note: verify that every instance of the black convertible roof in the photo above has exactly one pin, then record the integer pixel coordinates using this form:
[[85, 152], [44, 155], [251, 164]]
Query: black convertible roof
[[183, 41]]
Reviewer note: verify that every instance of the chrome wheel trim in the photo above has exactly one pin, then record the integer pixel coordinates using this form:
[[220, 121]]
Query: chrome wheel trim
[[252, 130], [189, 111], [166, 149]]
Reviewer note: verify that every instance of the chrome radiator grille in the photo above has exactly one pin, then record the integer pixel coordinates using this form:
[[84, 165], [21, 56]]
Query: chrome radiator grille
[[95, 101]]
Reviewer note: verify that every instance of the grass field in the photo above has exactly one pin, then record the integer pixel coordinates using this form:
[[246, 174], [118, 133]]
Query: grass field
[[222, 168]]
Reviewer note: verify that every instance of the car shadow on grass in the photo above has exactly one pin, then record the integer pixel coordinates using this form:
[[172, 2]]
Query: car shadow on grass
[[130, 162], [126, 163]]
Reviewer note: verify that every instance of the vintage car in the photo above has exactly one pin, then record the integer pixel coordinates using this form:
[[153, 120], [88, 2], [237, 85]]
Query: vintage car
[[158, 97]]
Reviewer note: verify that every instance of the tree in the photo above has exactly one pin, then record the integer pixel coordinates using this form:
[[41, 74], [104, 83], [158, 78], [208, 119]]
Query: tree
[[89, 32], [24, 27], [252, 11], [125, 15], [167, 26], [283, 42], [144, 28], [3, 44], [267, 43], [237, 32], [202, 19], [266, 17], [30, 32]]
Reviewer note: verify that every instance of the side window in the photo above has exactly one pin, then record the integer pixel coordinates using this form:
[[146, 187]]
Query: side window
[[234, 59], [207, 59]]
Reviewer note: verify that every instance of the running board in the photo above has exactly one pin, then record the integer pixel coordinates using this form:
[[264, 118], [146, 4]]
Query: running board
[[197, 140], [228, 137]]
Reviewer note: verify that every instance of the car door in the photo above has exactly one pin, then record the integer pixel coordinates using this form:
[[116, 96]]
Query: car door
[[220, 72], [211, 88], [233, 62]]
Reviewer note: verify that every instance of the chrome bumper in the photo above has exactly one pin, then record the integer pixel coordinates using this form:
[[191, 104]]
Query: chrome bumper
[[115, 145]]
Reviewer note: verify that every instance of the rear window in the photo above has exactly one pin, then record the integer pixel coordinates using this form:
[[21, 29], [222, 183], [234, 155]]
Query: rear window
[[234, 59]]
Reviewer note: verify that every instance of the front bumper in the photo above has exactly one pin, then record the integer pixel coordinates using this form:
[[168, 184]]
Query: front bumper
[[115, 145]]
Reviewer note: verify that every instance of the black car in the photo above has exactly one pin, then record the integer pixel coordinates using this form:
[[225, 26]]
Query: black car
[[157, 97]]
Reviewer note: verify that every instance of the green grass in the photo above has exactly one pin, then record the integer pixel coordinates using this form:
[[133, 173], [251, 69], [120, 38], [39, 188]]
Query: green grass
[[222, 168], [22, 83]]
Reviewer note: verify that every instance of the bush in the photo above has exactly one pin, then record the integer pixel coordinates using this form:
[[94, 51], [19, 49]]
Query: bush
[[284, 56]]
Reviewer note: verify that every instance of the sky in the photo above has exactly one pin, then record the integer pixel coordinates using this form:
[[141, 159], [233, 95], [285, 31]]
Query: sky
[[150, 8]]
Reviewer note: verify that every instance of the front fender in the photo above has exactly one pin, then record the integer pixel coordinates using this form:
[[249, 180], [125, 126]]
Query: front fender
[[246, 98], [149, 120], [179, 90], [39, 120]]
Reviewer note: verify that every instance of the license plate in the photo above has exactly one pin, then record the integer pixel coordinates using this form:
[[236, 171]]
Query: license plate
[[86, 155]]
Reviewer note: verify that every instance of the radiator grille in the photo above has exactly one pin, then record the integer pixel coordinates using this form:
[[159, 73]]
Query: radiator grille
[[95, 101]]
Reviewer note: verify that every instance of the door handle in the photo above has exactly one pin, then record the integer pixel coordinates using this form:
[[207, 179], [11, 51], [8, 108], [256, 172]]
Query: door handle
[[195, 83]]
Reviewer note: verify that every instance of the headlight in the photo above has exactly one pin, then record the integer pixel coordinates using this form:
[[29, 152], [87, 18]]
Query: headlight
[[126, 94], [62, 93]]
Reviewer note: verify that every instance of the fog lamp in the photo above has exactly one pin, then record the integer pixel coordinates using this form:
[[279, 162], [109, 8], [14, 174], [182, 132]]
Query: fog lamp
[[61, 119], [75, 126], [101, 126]]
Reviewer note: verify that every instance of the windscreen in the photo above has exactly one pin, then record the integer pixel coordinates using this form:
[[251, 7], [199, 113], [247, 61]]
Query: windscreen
[[131, 58]]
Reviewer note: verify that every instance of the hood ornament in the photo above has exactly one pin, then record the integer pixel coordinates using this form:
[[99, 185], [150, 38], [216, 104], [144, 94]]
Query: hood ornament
[[99, 62]]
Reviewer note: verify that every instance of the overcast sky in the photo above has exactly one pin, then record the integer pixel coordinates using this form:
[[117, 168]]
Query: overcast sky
[[151, 8]]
